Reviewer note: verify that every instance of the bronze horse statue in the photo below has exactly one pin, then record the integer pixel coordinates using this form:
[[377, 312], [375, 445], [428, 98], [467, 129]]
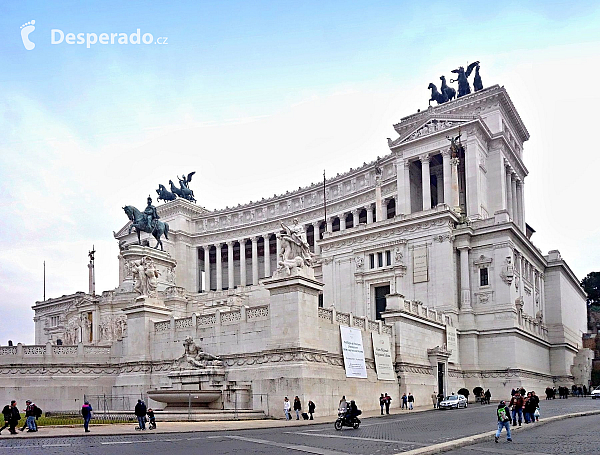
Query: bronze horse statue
[[184, 193], [139, 221], [436, 95], [164, 194], [446, 90]]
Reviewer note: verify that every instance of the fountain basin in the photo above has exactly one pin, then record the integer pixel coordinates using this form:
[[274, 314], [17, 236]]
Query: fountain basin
[[183, 398]]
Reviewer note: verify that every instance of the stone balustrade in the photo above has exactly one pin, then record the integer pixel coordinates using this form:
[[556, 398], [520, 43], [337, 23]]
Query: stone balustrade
[[334, 317], [417, 308], [23, 352], [244, 314]]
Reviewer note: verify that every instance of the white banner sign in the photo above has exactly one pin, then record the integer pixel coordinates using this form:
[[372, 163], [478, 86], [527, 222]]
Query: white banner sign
[[383, 357], [354, 354], [452, 343]]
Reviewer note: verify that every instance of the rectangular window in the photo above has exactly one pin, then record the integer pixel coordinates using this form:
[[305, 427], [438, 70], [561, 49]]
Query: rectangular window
[[379, 259], [483, 277], [54, 320], [320, 300], [388, 257], [372, 261]]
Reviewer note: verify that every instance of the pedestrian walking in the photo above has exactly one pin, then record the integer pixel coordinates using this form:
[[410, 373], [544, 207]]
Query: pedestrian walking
[[488, 396], [503, 414], [140, 413], [286, 408], [31, 413], [297, 407], [411, 401], [311, 409], [86, 412], [387, 400], [517, 402], [440, 398], [404, 401], [529, 408], [6, 413], [434, 399], [381, 403], [15, 416], [151, 419]]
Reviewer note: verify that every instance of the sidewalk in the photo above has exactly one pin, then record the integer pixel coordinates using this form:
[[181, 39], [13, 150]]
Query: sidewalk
[[181, 427]]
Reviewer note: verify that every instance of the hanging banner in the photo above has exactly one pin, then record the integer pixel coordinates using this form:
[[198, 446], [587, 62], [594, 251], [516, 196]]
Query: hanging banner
[[382, 352], [452, 343], [354, 354]]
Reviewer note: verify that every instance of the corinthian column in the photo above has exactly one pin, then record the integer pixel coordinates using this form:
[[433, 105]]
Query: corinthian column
[[254, 260], [206, 268], [355, 218], [230, 282], [509, 199], [242, 262], [514, 198], [425, 181], [447, 172], [369, 209], [343, 222], [317, 236], [218, 267], [267, 256], [454, 200]]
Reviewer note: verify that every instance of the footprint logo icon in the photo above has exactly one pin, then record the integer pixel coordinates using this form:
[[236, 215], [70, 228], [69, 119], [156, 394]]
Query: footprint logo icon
[[26, 29]]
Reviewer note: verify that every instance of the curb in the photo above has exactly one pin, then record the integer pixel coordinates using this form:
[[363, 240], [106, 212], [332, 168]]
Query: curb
[[470, 440]]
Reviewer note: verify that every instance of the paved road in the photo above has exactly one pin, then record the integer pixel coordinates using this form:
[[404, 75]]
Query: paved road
[[376, 436], [578, 436]]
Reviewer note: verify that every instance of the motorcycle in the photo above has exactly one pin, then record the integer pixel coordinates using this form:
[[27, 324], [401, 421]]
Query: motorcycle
[[344, 421]]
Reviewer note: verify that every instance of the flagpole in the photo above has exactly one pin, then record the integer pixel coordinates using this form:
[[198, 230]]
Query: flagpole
[[44, 281], [324, 201]]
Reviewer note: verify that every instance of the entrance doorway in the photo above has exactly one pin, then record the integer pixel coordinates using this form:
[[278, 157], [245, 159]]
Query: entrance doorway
[[380, 302], [441, 373]]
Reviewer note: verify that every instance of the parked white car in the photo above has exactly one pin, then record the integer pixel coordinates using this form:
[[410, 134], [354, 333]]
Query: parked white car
[[454, 402], [596, 393]]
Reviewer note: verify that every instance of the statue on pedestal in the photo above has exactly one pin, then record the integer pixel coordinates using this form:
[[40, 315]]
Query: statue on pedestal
[[195, 357], [147, 221], [295, 251], [145, 275]]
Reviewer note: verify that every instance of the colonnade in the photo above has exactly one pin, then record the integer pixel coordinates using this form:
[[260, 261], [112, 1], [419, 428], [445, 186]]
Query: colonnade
[[514, 197], [262, 268]]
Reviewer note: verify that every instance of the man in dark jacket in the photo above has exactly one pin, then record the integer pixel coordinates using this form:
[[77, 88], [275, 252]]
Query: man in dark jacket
[[6, 413], [15, 416], [140, 412], [503, 414], [311, 409], [517, 402]]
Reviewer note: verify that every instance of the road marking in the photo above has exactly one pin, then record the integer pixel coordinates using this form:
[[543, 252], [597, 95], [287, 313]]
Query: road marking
[[391, 441], [56, 445], [305, 449], [506, 451], [142, 441]]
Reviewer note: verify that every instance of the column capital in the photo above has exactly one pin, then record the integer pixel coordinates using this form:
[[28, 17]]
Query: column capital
[[425, 157], [316, 224], [218, 245], [445, 153], [254, 239], [206, 247], [230, 243], [355, 211], [267, 237], [242, 241]]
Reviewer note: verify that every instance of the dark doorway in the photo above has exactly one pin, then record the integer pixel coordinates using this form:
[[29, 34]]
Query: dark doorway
[[380, 293], [441, 371]]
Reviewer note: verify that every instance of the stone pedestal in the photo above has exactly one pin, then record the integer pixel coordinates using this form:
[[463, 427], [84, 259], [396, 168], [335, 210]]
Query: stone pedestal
[[294, 311], [141, 316], [162, 260]]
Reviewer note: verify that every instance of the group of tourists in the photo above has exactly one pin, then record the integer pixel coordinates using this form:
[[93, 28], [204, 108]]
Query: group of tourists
[[524, 405], [384, 402], [144, 415], [408, 401], [287, 406], [12, 416]]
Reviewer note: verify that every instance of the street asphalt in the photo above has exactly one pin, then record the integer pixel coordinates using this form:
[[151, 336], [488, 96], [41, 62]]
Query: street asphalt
[[401, 432]]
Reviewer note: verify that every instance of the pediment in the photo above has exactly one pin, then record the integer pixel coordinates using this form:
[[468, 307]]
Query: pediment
[[427, 128]]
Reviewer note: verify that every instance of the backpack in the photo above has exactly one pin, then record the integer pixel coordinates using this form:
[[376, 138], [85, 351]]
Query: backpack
[[503, 415], [38, 412]]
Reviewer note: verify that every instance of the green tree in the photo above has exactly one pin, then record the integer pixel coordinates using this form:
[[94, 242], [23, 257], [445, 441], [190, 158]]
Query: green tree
[[591, 286]]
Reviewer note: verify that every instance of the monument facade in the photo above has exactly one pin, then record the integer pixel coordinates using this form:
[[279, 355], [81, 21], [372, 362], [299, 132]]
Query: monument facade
[[426, 248]]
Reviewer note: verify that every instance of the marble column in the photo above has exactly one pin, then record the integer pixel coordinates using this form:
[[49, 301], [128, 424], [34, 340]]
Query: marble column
[[330, 224], [316, 249], [230, 276], [343, 222], [206, 268], [509, 198], [254, 260], [447, 173], [267, 256], [454, 196], [514, 198], [369, 209], [425, 180], [520, 209], [242, 262], [401, 186], [278, 248], [355, 218], [407, 201], [465, 284], [218, 267]]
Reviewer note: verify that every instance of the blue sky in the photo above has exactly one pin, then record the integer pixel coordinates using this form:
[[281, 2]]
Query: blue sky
[[240, 84]]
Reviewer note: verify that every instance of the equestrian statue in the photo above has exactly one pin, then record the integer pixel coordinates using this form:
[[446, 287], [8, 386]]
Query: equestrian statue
[[164, 194], [147, 221]]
